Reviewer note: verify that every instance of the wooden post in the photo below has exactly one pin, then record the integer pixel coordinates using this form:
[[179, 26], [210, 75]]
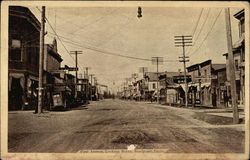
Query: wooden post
[[184, 41], [231, 67], [76, 69], [41, 53]]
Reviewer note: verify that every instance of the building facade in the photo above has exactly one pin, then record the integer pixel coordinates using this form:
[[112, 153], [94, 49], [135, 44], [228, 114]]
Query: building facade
[[52, 63], [239, 60], [173, 86], [151, 81], [205, 83], [24, 33]]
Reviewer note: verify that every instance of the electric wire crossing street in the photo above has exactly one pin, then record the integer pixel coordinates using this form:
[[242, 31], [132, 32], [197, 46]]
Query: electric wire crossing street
[[126, 78]]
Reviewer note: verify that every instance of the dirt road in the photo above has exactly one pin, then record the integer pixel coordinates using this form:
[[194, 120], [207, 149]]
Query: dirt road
[[115, 124]]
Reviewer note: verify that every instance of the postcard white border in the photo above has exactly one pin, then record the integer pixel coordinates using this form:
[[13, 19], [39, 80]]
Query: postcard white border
[[132, 155]]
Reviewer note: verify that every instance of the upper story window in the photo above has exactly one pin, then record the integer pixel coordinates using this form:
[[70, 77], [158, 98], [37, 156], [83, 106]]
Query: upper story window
[[236, 62], [242, 27], [154, 86], [205, 73], [15, 50]]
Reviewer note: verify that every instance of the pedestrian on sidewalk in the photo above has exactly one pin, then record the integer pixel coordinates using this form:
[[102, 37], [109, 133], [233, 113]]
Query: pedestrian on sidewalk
[[226, 99]]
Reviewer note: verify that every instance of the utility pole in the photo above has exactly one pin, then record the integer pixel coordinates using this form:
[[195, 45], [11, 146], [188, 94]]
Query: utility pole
[[91, 77], [124, 85], [135, 89], [76, 79], [87, 86], [157, 61], [231, 67], [127, 87], [143, 70], [41, 55], [95, 84], [199, 74], [184, 41]]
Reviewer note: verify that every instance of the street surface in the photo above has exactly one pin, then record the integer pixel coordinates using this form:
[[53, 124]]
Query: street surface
[[116, 124]]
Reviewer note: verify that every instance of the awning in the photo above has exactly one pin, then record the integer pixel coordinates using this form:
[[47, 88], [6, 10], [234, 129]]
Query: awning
[[202, 84], [238, 43], [58, 80], [193, 84], [173, 86], [205, 85], [183, 87], [62, 89]]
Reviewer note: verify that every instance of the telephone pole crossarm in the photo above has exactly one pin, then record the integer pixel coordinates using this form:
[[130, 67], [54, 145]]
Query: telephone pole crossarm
[[184, 41], [76, 63]]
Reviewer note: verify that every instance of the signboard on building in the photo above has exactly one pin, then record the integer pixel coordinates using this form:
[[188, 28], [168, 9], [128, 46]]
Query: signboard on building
[[210, 77], [180, 79], [69, 68]]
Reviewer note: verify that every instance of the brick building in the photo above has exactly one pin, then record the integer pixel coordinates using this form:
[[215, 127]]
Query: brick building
[[24, 31]]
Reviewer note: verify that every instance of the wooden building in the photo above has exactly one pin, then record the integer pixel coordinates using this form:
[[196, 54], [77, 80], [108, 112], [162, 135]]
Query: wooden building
[[239, 59], [52, 63], [205, 83]]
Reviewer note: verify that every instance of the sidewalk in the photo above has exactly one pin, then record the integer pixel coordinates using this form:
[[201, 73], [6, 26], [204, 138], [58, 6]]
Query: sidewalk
[[211, 115]]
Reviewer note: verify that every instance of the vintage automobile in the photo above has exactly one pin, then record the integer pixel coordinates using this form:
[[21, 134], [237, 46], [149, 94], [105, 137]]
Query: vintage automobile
[[62, 98]]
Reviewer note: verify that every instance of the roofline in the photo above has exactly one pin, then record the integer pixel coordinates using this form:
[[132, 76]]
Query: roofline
[[24, 12], [199, 64], [221, 69], [234, 52], [219, 64], [55, 55]]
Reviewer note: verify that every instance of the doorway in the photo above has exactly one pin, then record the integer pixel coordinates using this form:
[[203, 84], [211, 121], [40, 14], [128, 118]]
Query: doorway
[[15, 95]]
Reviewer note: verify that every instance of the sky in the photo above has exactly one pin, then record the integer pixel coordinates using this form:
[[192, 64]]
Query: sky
[[97, 31]]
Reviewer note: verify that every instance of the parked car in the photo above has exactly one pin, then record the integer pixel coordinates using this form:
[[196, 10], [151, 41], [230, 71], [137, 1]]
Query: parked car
[[62, 98]]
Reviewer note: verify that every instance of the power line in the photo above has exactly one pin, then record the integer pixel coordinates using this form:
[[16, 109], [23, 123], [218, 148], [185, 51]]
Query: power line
[[196, 25], [197, 22], [97, 20], [202, 25], [58, 37], [96, 49], [207, 33], [118, 30], [110, 53], [109, 38], [82, 27]]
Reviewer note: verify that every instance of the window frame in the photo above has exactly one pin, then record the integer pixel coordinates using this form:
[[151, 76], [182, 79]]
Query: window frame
[[13, 48]]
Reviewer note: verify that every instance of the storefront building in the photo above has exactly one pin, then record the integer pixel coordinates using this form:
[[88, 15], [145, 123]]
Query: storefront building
[[24, 31]]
